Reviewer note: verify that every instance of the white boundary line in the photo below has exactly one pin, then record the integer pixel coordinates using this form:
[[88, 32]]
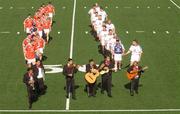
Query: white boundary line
[[175, 4], [72, 32], [71, 48], [132, 110], [5, 32]]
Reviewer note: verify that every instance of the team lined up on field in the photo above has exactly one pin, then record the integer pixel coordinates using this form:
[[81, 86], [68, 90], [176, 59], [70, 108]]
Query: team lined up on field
[[111, 45], [37, 28]]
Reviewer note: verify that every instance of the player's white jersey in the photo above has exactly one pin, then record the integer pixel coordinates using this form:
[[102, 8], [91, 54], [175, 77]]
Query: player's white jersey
[[91, 12], [94, 18], [98, 23], [108, 41], [110, 26], [112, 43], [103, 14], [102, 37], [136, 50]]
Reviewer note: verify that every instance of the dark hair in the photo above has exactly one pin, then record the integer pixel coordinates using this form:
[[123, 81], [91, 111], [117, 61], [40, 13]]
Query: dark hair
[[69, 59], [135, 41], [29, 69], [91, 60]]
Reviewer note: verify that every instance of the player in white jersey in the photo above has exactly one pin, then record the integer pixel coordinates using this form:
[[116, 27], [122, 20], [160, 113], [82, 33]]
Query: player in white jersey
[[111, 26], [102, 36], [108, 40], [136, 52], [98, 25], [103, 14]]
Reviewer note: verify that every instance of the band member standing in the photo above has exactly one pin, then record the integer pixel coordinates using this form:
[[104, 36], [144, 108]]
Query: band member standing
[[136, 52], [90, 69], [69, 71], [29, 79], [39, 72], [135, 79], [107, 65]]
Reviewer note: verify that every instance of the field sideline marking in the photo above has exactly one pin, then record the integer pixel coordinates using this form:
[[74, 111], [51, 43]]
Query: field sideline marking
[[132, 110], [5, 32], [71, 48], [175, 4]]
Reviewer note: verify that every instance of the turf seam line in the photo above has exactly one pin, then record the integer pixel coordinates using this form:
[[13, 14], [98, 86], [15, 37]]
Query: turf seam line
[[175, 4], [123, 110]]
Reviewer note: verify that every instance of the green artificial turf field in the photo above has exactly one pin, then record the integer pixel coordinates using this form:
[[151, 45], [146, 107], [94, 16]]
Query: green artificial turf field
[[160, 84]]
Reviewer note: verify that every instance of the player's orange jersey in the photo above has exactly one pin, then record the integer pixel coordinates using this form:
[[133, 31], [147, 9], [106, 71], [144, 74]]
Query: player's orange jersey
[[47, 24], [25, 42], [41, 43], [28, 23], [50, 8], [39, 25], [29, 51]]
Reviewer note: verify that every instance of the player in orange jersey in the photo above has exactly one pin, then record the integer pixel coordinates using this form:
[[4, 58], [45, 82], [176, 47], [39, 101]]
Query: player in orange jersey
[[28, 24]]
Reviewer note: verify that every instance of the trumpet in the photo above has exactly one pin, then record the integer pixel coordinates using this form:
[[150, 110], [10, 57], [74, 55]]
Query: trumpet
[[31, 83]]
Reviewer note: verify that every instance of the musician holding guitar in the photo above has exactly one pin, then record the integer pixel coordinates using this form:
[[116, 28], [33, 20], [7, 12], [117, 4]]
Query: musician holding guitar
[[134, 73], [91, 74], [106, 65]]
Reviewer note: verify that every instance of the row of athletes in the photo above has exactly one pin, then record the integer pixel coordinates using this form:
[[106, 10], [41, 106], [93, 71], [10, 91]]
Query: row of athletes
[[41, 21], [110, 44], [37, 29]]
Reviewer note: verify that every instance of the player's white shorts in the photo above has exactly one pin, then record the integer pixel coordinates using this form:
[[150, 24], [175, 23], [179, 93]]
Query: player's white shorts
[[46, 31], [50, 15], [40, 33], [118, 57], [102, 42], [41, 50], [29, 61], [135, 58], [28, 30]]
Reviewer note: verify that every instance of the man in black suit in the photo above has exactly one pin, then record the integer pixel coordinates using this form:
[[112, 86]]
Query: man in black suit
[[91, 87], [106, 65], [29, 79], [69, 71], [39, 72]]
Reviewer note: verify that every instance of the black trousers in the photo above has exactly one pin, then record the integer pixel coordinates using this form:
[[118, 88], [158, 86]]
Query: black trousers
[[107, 83], [91, 88], [31, 95], [70, 86], [41, 86], [134, 85]]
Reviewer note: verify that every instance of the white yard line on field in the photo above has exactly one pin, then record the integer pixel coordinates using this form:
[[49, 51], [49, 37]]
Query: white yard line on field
[[131, 110], [5, 32], [140, 31], [175, 4], [71, 48]]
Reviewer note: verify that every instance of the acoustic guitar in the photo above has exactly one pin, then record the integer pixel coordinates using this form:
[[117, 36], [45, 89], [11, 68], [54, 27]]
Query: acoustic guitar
[[91, 77], [134, 73]]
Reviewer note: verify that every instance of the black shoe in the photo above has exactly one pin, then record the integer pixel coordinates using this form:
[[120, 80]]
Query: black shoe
[[74, 98], [110, 96], [67, 96], [132, 93], [94, 95], [30, 106], [102, 92], [136, 92]]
